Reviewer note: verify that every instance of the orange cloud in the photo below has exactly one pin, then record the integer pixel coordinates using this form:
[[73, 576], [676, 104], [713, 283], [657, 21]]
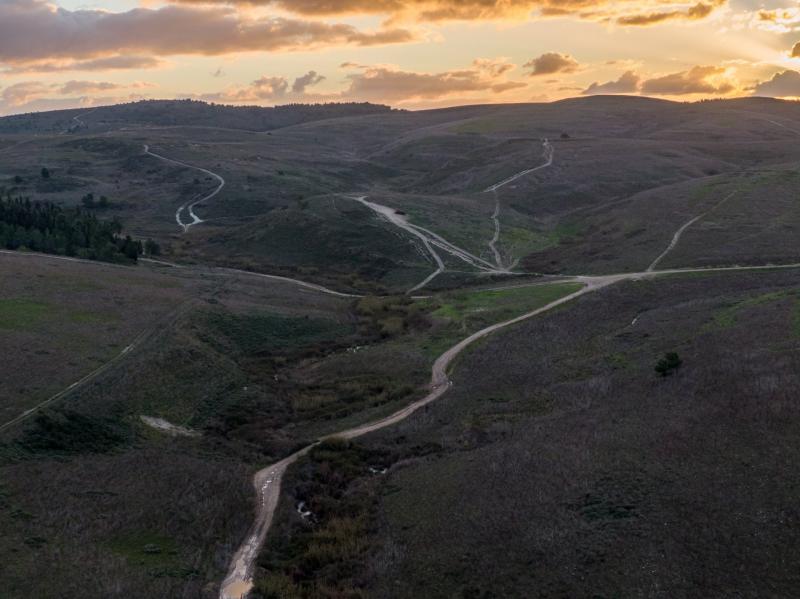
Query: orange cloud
[[628, 83], [28, 91], [395, 85], [550, 63], [782, 85], [112, 63], [267, 89], [697, 80], [699, 11], [380, 83], [474, 10], [63, 35]]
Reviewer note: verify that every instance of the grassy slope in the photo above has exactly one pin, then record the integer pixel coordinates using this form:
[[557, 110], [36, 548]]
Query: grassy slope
[[61, 320], [562, 452], [311, 558], [626, 161]]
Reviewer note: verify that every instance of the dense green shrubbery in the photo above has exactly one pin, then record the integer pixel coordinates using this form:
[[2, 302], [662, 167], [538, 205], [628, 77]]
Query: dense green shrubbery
[[259, 333], [669, 364], [67, 432], [46, 227], [387, 317], [327, 555]]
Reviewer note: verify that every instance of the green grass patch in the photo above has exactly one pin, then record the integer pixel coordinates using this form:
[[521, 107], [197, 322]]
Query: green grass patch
[[491, 124], [467, 312], [487, 307], [727, 317], [525, 241], [255, 333], [149, 550], [21, 314]]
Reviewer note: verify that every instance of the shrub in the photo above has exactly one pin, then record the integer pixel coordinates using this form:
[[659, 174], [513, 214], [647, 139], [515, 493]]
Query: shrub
[[668, 364]]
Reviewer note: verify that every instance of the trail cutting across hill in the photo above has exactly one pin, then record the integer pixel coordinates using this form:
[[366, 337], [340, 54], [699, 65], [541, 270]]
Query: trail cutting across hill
[[189, 206], [139, 340], [677, 237], [548, 153]]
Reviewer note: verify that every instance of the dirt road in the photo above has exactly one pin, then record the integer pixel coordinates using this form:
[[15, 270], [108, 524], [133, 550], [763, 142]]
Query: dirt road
[[267, 482], [189, 206], [429, 240]]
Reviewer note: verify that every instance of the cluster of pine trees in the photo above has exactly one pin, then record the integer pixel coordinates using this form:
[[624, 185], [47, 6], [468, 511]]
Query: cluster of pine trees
[[49, 228]]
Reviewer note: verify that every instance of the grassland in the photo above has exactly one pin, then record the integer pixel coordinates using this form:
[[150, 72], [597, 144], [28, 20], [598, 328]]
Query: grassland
[[573, 455], [65, 321], [256, 366], [625, 175], [559, 464]]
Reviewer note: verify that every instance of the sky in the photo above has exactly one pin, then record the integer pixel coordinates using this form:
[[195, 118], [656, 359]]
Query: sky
[[406, 53]]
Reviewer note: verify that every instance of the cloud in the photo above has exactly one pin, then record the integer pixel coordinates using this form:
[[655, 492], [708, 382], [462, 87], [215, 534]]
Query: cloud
[[494, 66], [308, 80], [697, 80], [552, 62], [796, 50], [628, 83], [699, 11], [474, 10], [112, 63], [778, 20], [394, 85], [379, 83], [21, 93], [27, 91], [263, 89], [782, 85], [61, 34]]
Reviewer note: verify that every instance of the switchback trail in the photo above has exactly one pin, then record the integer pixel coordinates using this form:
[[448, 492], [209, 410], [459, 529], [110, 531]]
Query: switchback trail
[[189, 206], [267, 482], [548, 154]]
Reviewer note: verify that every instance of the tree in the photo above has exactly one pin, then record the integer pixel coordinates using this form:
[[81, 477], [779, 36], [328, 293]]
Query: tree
[[45, 173], [668, 364], [88, 200], [151, 248], [43, 226]]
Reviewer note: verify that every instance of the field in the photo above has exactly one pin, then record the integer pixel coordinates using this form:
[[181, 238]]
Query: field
[[626, 173], [575, 470], [138, 401]]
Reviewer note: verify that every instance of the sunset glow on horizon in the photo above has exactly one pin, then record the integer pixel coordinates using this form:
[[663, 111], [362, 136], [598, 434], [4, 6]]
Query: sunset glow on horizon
[[405, 53]]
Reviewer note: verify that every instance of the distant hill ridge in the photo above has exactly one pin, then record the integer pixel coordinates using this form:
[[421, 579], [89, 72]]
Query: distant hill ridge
[[187, 113]]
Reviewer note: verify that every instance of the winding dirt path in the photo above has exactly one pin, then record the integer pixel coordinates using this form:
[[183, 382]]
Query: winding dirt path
[[549, 153], [189, 206], [267, 482]]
